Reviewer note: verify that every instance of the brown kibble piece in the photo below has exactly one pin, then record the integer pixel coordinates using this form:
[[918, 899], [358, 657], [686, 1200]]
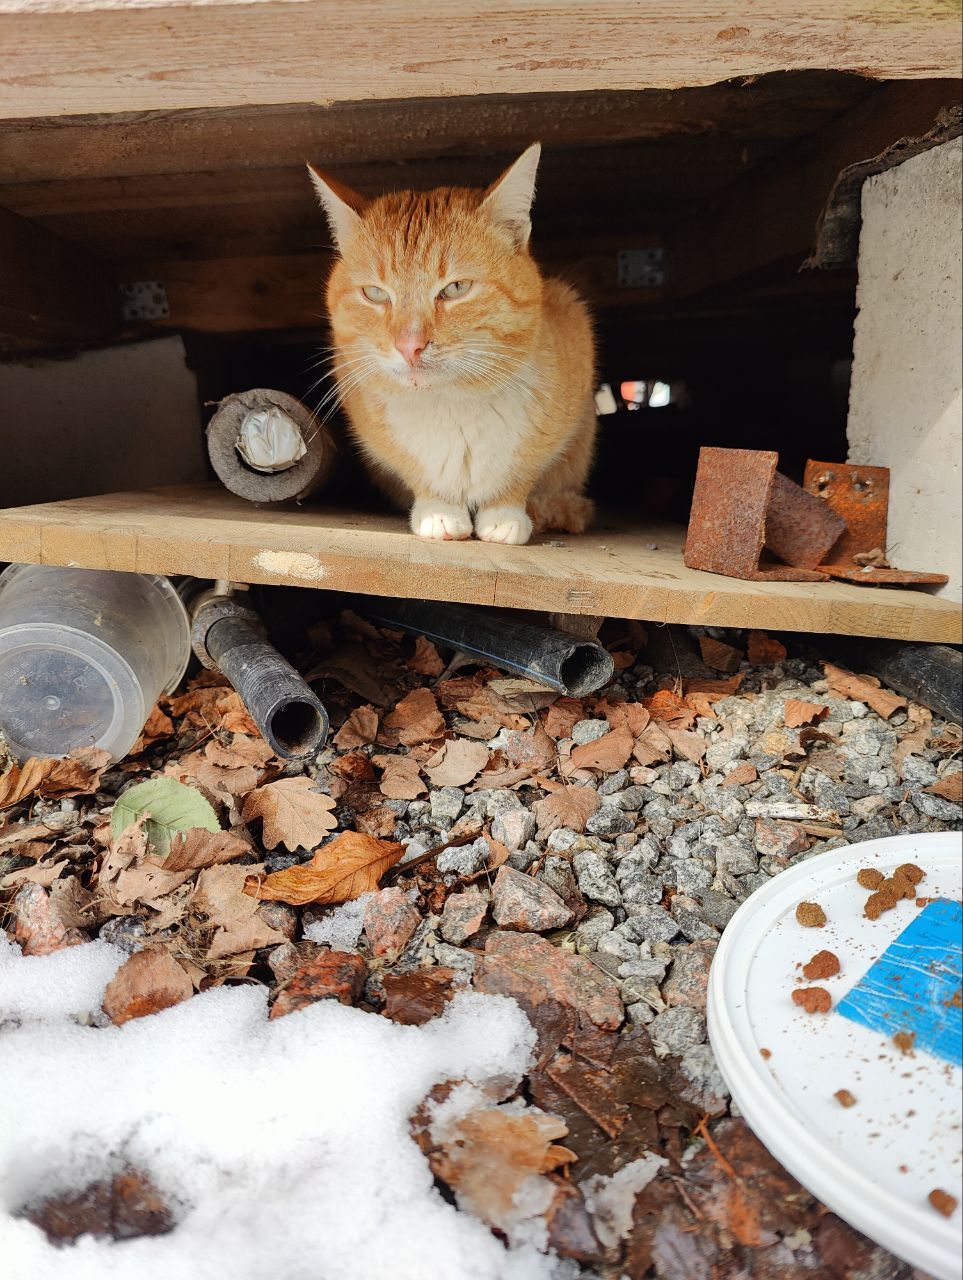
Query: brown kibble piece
[[904, 1041], [810, 915], [813, 999], [898, 887], [870, 877], [878, 902], [844, 1098], [911, 872], [943, 1202], [765, 1053], [823, 965]]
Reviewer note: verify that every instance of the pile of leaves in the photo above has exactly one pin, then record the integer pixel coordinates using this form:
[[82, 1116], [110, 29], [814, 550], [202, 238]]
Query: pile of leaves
[[205, 857]]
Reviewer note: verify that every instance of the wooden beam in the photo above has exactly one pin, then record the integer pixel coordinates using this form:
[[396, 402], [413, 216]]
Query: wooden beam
[[771, 215], [618, 569], [74, 57], [51, 292]]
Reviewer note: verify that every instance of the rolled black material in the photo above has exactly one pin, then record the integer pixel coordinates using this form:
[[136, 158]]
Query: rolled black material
[[559, 661], [928, 673], [290, 717]]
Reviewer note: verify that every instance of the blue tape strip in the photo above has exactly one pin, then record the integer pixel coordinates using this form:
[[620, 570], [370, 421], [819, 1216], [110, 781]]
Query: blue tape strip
[[915, 986]]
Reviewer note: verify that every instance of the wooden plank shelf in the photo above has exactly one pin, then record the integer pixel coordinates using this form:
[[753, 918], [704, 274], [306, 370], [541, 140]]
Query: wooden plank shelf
[[620, 569]]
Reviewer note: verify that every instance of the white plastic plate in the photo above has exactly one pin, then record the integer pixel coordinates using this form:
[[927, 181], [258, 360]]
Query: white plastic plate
[[874, 1163]]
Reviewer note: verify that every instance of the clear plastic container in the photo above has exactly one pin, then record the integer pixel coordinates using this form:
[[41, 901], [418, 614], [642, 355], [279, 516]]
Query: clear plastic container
[[84, 656]]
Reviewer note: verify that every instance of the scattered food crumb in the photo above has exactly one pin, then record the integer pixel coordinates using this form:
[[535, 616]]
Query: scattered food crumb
[[765, 1053], [870, 877], [844, 1098], [943, 1202], [810, 915], [823, 965], [813, 999], [956, 1000], [924, 902], [904, 1041]]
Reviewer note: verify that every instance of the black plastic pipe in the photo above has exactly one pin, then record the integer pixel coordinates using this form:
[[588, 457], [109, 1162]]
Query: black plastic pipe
[[563, 662], [291, 718]]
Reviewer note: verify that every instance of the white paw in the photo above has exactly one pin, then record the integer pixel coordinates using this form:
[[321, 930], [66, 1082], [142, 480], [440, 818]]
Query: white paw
[[440, 520], [503, 524]]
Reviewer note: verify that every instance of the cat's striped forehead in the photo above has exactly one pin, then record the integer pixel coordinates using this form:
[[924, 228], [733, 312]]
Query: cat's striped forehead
[[410, 234]]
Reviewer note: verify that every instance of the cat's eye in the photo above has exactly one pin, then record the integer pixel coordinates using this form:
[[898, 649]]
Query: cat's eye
[[457, 289], [374, 294]]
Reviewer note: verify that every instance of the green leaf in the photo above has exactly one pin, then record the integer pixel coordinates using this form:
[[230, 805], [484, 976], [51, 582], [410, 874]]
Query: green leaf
[[171, 807]]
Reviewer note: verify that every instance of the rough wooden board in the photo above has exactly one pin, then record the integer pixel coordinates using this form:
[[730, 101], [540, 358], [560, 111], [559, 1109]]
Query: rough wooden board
[[61, 57], [618, 570]]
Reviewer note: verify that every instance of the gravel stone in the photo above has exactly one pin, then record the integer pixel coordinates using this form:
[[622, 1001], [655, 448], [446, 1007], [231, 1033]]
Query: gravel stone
[[692, 875], [688, 980], [677, 1030], [592, 928], [596, 880], [710, 1091], [651, 968], [631, 799], [463, 914], [779, 839], [691, 920], [454, 957], [917, 771], [614, 782], [514, 827], [719, 907], [500, 800], [683, 774], [519, 902], [636, 989], [651, 924], [936, 807], [522, 859], [643, 889], [615, 943], [465, 859], [446, 805], [609, 821], [735, 856], [589, 731], [639, 1015]]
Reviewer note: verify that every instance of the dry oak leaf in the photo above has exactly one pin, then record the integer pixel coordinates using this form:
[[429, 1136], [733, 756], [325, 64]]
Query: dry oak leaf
[[686, 745], [796, 712], [149, 981], [630, 715], [571, 807], [948, 788], [346, 867], [862, 689], [415, 719], [562, 717], [425, 660], [607, 753], [243, 750], [719, 656], [45, 873], [294, 812], [653, 746], [457, 763], [741, 775], [360, 728], [76, 775], [911, 744], [222, 896], [763, 650], [159, 725], [669, 708], [196, 849], [401, 779]]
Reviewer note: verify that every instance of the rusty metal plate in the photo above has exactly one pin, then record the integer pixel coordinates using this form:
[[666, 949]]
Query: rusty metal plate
[[860, 495], [873, 576], [727, 523], [800, 529]]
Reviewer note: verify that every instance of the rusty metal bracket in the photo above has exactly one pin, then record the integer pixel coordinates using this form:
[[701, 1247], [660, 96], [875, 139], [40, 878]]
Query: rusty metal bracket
[[860, 495], [741, 504]]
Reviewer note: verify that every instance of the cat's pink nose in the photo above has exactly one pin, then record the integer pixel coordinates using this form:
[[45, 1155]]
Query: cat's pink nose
[[411, 347]]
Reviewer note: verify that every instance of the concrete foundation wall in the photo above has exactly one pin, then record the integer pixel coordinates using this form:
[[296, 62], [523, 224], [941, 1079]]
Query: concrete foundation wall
[[122, 418], [905, 407]]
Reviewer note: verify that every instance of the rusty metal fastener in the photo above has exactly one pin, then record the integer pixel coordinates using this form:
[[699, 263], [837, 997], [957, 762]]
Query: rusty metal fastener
[[861, 496], [740, 505]]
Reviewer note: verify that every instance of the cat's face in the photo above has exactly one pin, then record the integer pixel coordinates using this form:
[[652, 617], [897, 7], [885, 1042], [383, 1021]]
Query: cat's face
[[433, 288]]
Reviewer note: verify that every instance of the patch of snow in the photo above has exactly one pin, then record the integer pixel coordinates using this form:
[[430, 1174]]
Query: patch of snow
[[610, 1200], [282, 1147], [66, 983], [343, 927]]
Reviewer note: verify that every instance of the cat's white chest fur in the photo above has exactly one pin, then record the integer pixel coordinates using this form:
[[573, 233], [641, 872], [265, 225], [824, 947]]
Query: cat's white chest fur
[[465, 443]]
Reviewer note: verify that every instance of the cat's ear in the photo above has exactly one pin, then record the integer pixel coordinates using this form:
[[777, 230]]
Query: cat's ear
[[509, 199], [342, 205]]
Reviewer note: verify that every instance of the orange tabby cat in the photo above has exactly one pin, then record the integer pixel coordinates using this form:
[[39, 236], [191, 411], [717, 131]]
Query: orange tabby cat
[[467, 377]]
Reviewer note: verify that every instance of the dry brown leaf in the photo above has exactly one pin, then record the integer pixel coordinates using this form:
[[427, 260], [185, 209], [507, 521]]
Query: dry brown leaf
[[652, 746], [353, 766], [242, 751], [401, 779], [719, 656], [158, 726], [741, 775], [531, 749], [425, 659], [195, 849], [912, 744], [294, 812], [668, 708], [457, 763], [630, 715], [149, 981], [360, 728], [948, 788], [124, 850], [764, 650], [796, 712], [476, 701], [143, 883], [607, 753], [686, 745], [348, 866], [231, 912], [76, 775], [360, 670], [862, 689], [562, 717], [35, 849], [488, 1155], [571, 807], [415, 719], [44, 874], [223, 784]]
